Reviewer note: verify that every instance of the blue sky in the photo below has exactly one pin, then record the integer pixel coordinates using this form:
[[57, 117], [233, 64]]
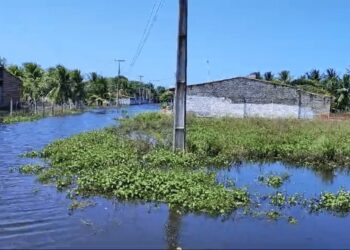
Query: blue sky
[[236, 36]]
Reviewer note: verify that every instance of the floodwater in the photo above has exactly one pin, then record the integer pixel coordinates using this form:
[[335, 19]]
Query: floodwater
[[33, 215]]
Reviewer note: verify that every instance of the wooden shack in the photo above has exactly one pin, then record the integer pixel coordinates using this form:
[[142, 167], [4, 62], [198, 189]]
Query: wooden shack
[[10, 89]]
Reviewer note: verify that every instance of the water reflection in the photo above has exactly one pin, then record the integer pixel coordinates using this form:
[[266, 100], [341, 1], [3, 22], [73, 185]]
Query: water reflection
[[172, 229], [327, 176]]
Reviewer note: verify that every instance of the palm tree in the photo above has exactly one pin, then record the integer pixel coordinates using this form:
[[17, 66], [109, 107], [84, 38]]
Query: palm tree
[[269, 76], [314, 75], [60, 82], [332, 81], [78, 86], [98, 88], [342, 100], [16, 71], [331, 74], [33, 86], [284, 76]]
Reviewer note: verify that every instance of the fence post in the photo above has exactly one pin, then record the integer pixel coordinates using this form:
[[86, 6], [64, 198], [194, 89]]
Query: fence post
[[43, 108], [52, 109], [245, 115], [299, 104], [11, 106]]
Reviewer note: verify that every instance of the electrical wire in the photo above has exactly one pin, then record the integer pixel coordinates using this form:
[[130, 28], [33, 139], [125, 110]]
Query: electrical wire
[[145, 35]]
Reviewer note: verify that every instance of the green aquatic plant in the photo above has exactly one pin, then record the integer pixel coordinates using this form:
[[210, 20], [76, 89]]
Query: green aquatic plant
[[113, 163], [273, 215], [278, 199], [76, 204], [109, 164], [292, 220], [335, 202], [30, 169], [275, 181], [32, 154]]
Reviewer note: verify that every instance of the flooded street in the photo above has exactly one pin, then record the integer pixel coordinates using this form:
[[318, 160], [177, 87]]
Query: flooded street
[[33, 215]]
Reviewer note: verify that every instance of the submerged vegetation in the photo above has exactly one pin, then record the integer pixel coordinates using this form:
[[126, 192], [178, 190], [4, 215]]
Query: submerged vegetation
[[134, 162]]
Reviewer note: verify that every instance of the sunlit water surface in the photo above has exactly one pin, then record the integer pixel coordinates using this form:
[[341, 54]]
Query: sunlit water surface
[[33, 215]]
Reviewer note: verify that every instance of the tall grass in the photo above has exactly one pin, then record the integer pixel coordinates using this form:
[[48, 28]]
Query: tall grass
[[307, 142]]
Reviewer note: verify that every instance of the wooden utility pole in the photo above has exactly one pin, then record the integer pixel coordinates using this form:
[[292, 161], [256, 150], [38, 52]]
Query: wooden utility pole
[[140, 90], [11, 106], [181, 81]]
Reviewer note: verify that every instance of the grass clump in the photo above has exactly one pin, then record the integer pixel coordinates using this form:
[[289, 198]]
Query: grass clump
[[221, 141], [20, 118], [28, 117]]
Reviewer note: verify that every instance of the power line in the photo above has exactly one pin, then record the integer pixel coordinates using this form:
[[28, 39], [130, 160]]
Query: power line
[[147, 25], [150, 23]]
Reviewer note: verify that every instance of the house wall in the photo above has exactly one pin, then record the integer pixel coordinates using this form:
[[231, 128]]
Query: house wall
[[11, 88], [244, 97]]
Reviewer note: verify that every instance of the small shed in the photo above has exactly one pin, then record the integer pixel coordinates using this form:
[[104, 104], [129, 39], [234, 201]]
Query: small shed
[[10, 88]]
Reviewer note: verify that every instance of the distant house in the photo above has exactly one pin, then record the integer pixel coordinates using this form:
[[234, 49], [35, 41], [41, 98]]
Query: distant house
[[10, 88]]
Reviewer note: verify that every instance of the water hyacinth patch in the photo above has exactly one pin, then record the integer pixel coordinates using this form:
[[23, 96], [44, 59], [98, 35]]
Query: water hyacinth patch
[[275, 181], [114, 163], [31, 169], [335, 202], [106, 163]]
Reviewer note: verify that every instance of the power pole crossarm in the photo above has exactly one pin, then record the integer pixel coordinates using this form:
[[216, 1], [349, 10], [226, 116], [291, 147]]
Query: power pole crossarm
[[181, 81]]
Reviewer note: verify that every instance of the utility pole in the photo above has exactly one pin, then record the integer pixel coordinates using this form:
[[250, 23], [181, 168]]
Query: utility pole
[[140, 90], [119, 61], [181, 81]]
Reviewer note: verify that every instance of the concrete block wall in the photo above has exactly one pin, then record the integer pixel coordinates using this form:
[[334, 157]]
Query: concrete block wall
[[244, 97]]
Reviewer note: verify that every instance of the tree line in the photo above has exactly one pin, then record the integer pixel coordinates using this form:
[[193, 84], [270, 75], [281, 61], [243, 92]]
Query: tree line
[[327, 83], [61, 85]]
